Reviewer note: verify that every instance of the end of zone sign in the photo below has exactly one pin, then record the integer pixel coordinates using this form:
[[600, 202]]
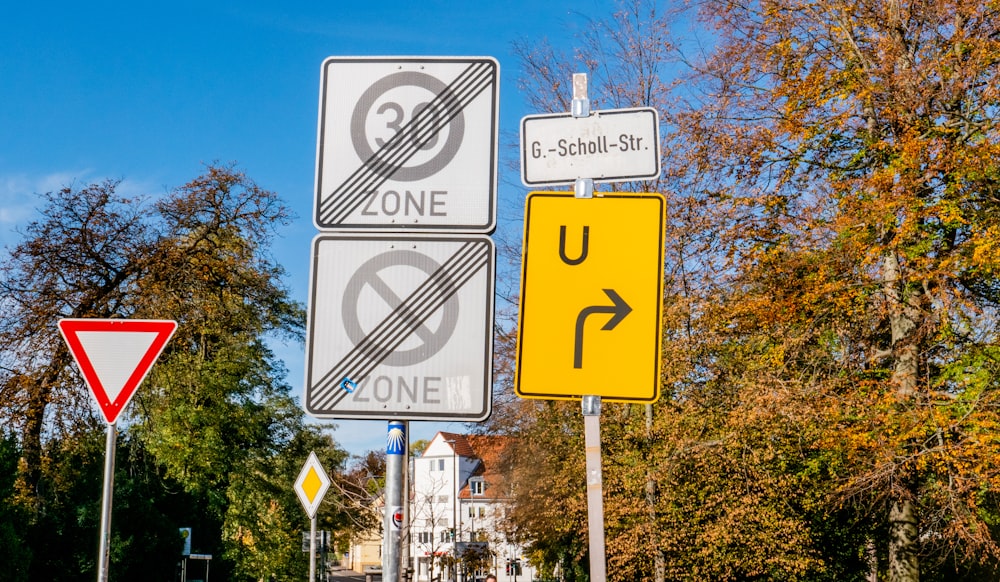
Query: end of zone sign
[[591, 297], [400, 327], [407, 143]]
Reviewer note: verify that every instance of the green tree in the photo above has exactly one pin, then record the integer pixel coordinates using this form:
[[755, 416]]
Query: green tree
[[14, 551], [212, 427], [264, 518]]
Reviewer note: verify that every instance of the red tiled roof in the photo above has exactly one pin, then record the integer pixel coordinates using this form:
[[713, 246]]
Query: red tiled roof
[[460, 444], [488, 449]]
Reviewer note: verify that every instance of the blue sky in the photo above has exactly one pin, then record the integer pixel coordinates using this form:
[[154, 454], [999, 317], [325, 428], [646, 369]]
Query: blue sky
[[151, 92]]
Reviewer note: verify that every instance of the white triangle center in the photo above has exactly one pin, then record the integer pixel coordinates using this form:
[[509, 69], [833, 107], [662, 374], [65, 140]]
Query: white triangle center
[[115, 355]]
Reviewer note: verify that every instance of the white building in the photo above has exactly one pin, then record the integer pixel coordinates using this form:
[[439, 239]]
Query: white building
[[457, 513]]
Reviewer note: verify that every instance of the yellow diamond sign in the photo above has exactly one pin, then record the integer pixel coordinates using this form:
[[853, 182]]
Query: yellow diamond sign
[[591, 297], [311, 485]]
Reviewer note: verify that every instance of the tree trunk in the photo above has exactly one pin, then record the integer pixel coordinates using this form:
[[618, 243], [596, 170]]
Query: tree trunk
[[659, 565], [871, 555], [904, 319], [904, 564]]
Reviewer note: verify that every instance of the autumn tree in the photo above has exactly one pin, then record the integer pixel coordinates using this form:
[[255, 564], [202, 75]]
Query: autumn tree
[[543, 465], [831, 279], [849, 150]]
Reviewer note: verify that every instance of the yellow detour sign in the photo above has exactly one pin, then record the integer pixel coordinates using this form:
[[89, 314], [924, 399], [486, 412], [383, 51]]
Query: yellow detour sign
[[591, 297], [311, 485]]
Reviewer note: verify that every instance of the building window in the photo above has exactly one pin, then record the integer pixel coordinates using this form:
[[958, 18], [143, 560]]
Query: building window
[[476, 486], [425, 537]]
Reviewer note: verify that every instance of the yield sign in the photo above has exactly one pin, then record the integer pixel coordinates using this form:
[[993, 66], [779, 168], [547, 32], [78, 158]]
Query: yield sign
[[311, 485], [114, 356]]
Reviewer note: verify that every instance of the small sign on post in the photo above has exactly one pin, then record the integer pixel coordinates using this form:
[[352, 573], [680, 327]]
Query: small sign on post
[[114, 356], [608, 146], [311, 486]]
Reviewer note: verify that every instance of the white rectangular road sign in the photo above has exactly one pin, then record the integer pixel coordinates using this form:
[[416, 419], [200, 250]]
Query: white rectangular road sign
[[400, 327], [407, 144], [608, 146]]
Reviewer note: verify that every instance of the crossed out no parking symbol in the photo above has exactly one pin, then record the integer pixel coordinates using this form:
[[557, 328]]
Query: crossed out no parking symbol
[[401, 307]]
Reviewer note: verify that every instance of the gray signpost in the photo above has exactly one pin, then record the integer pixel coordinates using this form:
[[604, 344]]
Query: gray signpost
[[113, 356], [401, 285], [310, 487], [580, 148]]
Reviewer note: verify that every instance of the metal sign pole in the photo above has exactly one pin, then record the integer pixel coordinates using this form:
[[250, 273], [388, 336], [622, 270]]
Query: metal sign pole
[[584, 188], [312, 548], [395, 458], [405, 557], [109, 480], [595, 499]]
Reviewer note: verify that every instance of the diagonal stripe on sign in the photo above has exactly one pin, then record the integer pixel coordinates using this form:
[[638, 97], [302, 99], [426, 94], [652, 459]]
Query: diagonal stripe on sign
[[411, 137], [401, 323]]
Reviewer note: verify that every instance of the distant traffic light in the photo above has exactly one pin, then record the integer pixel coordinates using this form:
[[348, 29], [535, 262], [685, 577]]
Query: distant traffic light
[[513, 567]]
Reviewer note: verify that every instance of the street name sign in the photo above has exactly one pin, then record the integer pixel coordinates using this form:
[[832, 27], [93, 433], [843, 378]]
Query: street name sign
[[607, 146], [114, 356], [407, 143], [400, 327], [311, 484], [591, 297]]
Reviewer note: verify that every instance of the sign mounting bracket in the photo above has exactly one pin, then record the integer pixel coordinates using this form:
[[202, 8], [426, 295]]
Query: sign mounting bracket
[[583, 187]]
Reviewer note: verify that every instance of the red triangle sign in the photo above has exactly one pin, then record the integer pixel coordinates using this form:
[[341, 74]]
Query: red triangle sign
[[114, 356]]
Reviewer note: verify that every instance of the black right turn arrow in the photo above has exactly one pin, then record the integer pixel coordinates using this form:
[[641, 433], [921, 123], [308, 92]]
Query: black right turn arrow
[[619, 309]]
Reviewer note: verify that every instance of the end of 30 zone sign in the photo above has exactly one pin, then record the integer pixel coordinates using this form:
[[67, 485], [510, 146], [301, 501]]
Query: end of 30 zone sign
[[407, 144]]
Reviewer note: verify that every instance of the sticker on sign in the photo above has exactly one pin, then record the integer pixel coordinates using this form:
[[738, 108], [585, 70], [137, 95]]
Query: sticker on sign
[[608, 146]]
